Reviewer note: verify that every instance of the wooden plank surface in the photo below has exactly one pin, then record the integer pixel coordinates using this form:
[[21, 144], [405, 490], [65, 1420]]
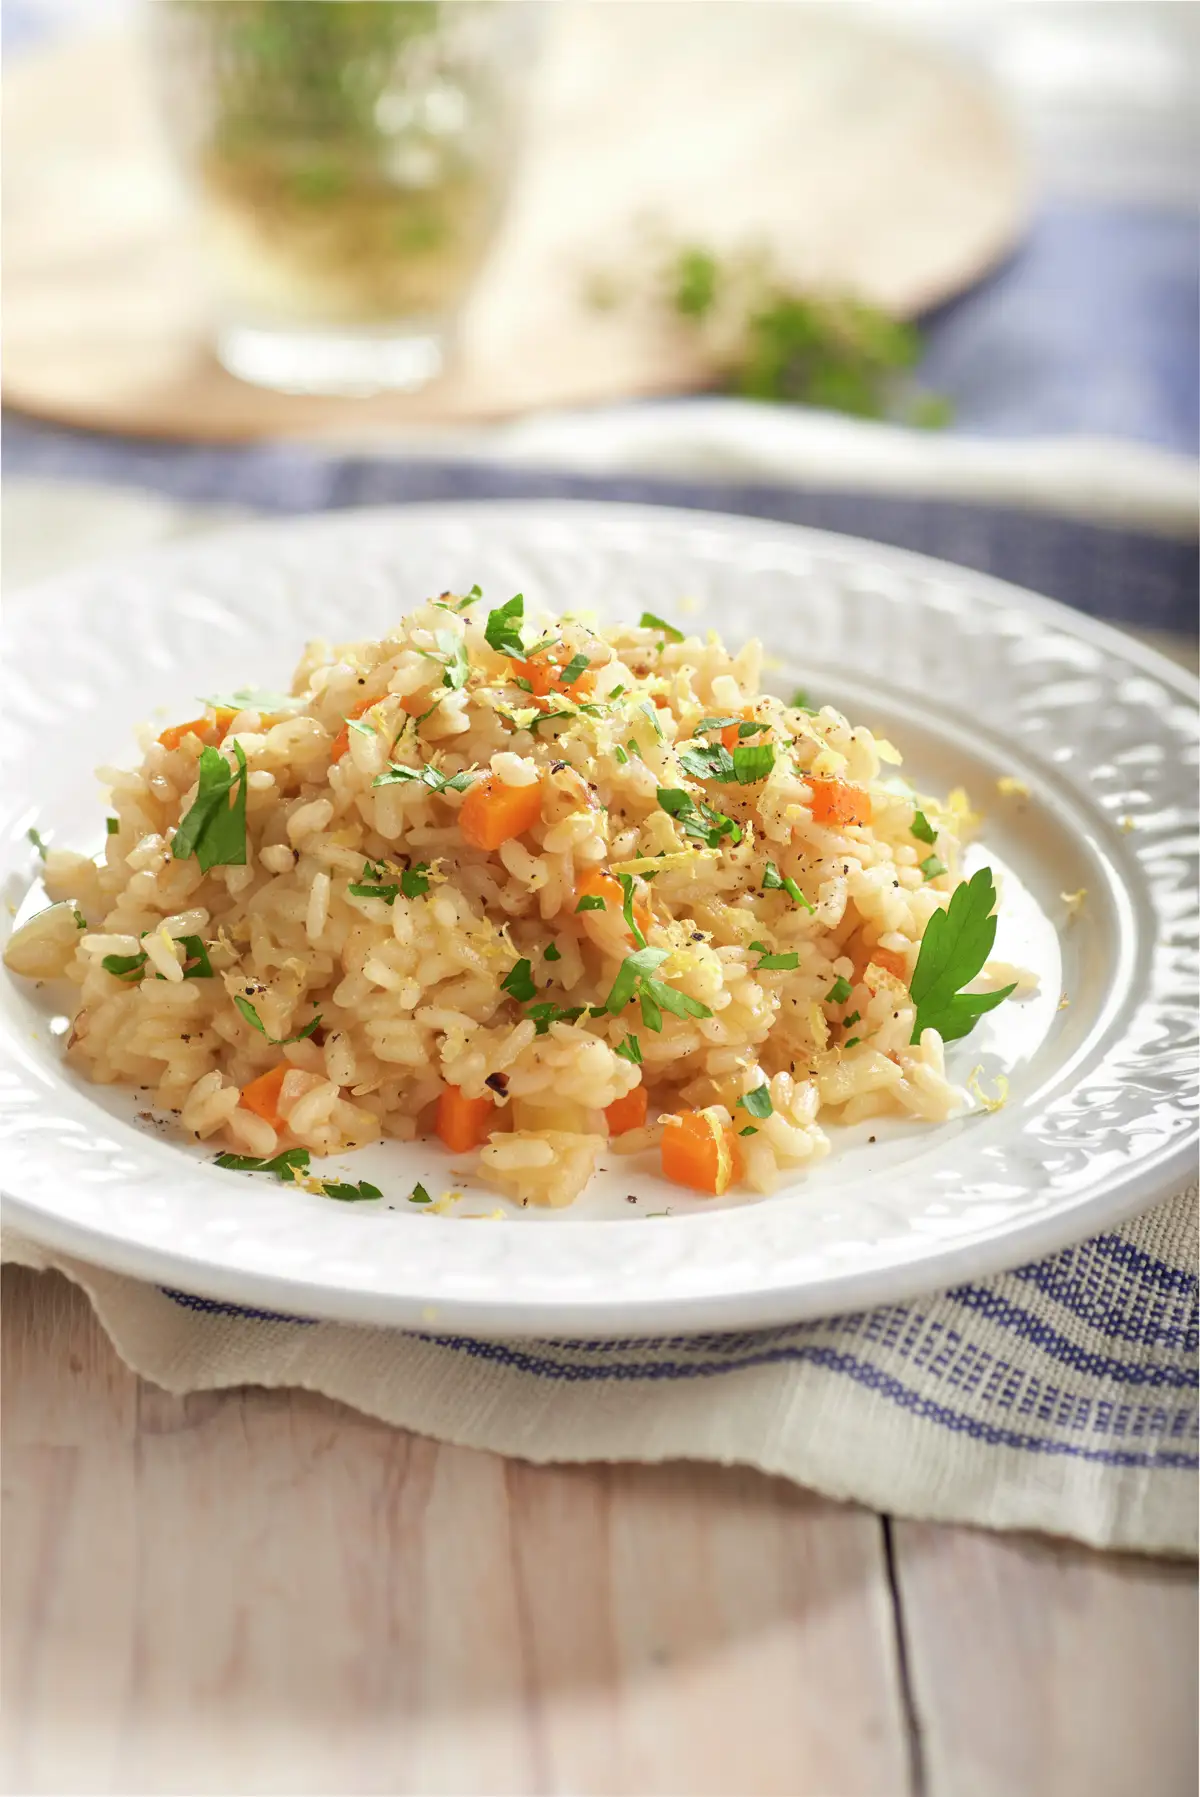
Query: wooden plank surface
[[264, 1592], [260, 1592], [1040, 1668]]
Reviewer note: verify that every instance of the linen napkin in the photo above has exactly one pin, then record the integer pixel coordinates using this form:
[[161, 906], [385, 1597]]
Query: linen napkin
[[1061, 1396]]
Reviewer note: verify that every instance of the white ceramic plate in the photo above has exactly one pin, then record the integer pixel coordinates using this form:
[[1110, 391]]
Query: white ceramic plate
[[974, 680]]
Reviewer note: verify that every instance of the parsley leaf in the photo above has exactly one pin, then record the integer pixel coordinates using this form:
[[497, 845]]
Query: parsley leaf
[[922, 829], [124, 966], [548, 1012], [215, 830], [502, 629], [518, 982], [112, 825], [257, 698], [284, 1166], [715, 724], [632, 968], [591, 901], [758, 1102], [630, 1050], [37, 842], [553, 952], [373, 884], [778, 963], [349, 1193], [634, 979], [252, 1017], [574, 668], [799, 701], [839, 992], [428, 775], [414, 881], [774, 881], [932, 866], [696, 819], [457, 667], [419, 1195], [197, 965], [621, 756], [649, 710], [712, 762], [626, 883], [648, 621], [753, 762], [955, 946]]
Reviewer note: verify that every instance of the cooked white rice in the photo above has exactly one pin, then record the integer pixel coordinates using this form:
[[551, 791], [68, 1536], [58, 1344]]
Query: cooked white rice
[[409, 988]]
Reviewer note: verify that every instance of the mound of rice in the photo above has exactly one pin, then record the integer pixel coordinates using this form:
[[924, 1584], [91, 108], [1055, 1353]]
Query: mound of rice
[[485, 975]]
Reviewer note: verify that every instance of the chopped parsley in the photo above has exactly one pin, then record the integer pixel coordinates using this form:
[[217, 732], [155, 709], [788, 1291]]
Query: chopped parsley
[[547, 717], [574, 668], [932, 866], [419, 1195], [852, 1019], [37, 842], [112, 825], [124, 967], [467, 599], [955, 946], [753, 762], [626, 883], [715, 724], [374, 882], [630, 1050], [346, 1193], [758, 1102], [696, 819], [648, 621], [548, 1012], [774, 881], [799, 701], [712, 762], [553, 953], [214, 830], [778, 963], [428, 775], [922, 829], [591, 901], [252, 1017], [839, 992], [256, 698], [519, 983], [851, 1041], [285, 1166], [749, 1130], [650, 710], [196, 965], [635, 979], [503, 628], [620, 754], [457, 664]]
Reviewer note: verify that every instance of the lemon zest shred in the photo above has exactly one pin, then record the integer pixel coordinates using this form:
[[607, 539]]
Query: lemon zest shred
[[1011, 787], [975, 1087]]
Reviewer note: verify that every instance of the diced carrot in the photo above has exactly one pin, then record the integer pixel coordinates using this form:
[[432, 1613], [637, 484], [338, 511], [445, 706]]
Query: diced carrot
[[341, 742], [544, 671], [463, 1123], [594, 884], [890, 961], [837, 802], [700, 1151], [262, 1095], [628, 1112], [415, 703], [492, 812], [174, 734], [731, 738], [224, 715]]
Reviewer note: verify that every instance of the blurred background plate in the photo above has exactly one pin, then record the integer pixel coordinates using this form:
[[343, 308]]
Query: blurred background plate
[[866, 161]]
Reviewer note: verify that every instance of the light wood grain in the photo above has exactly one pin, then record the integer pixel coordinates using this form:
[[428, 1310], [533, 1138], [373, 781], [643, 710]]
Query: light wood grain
[[1043, 1669], [866, 162], [265, 1592]]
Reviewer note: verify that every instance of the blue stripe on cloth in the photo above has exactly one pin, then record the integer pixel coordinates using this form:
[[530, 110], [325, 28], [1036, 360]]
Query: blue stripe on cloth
[[213, 1307], [1173, 1279], [1110, 571], [1055, 1346], [1109, 1419]]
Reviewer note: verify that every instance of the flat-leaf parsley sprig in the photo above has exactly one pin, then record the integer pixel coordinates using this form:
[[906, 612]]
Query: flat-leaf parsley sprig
[[214, 830], [954, 948]]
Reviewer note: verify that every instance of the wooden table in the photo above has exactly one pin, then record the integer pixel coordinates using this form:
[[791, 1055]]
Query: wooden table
[[265, 1592]]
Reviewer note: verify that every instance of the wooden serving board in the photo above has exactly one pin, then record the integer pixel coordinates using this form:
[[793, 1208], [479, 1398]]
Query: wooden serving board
[[868, 163]]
